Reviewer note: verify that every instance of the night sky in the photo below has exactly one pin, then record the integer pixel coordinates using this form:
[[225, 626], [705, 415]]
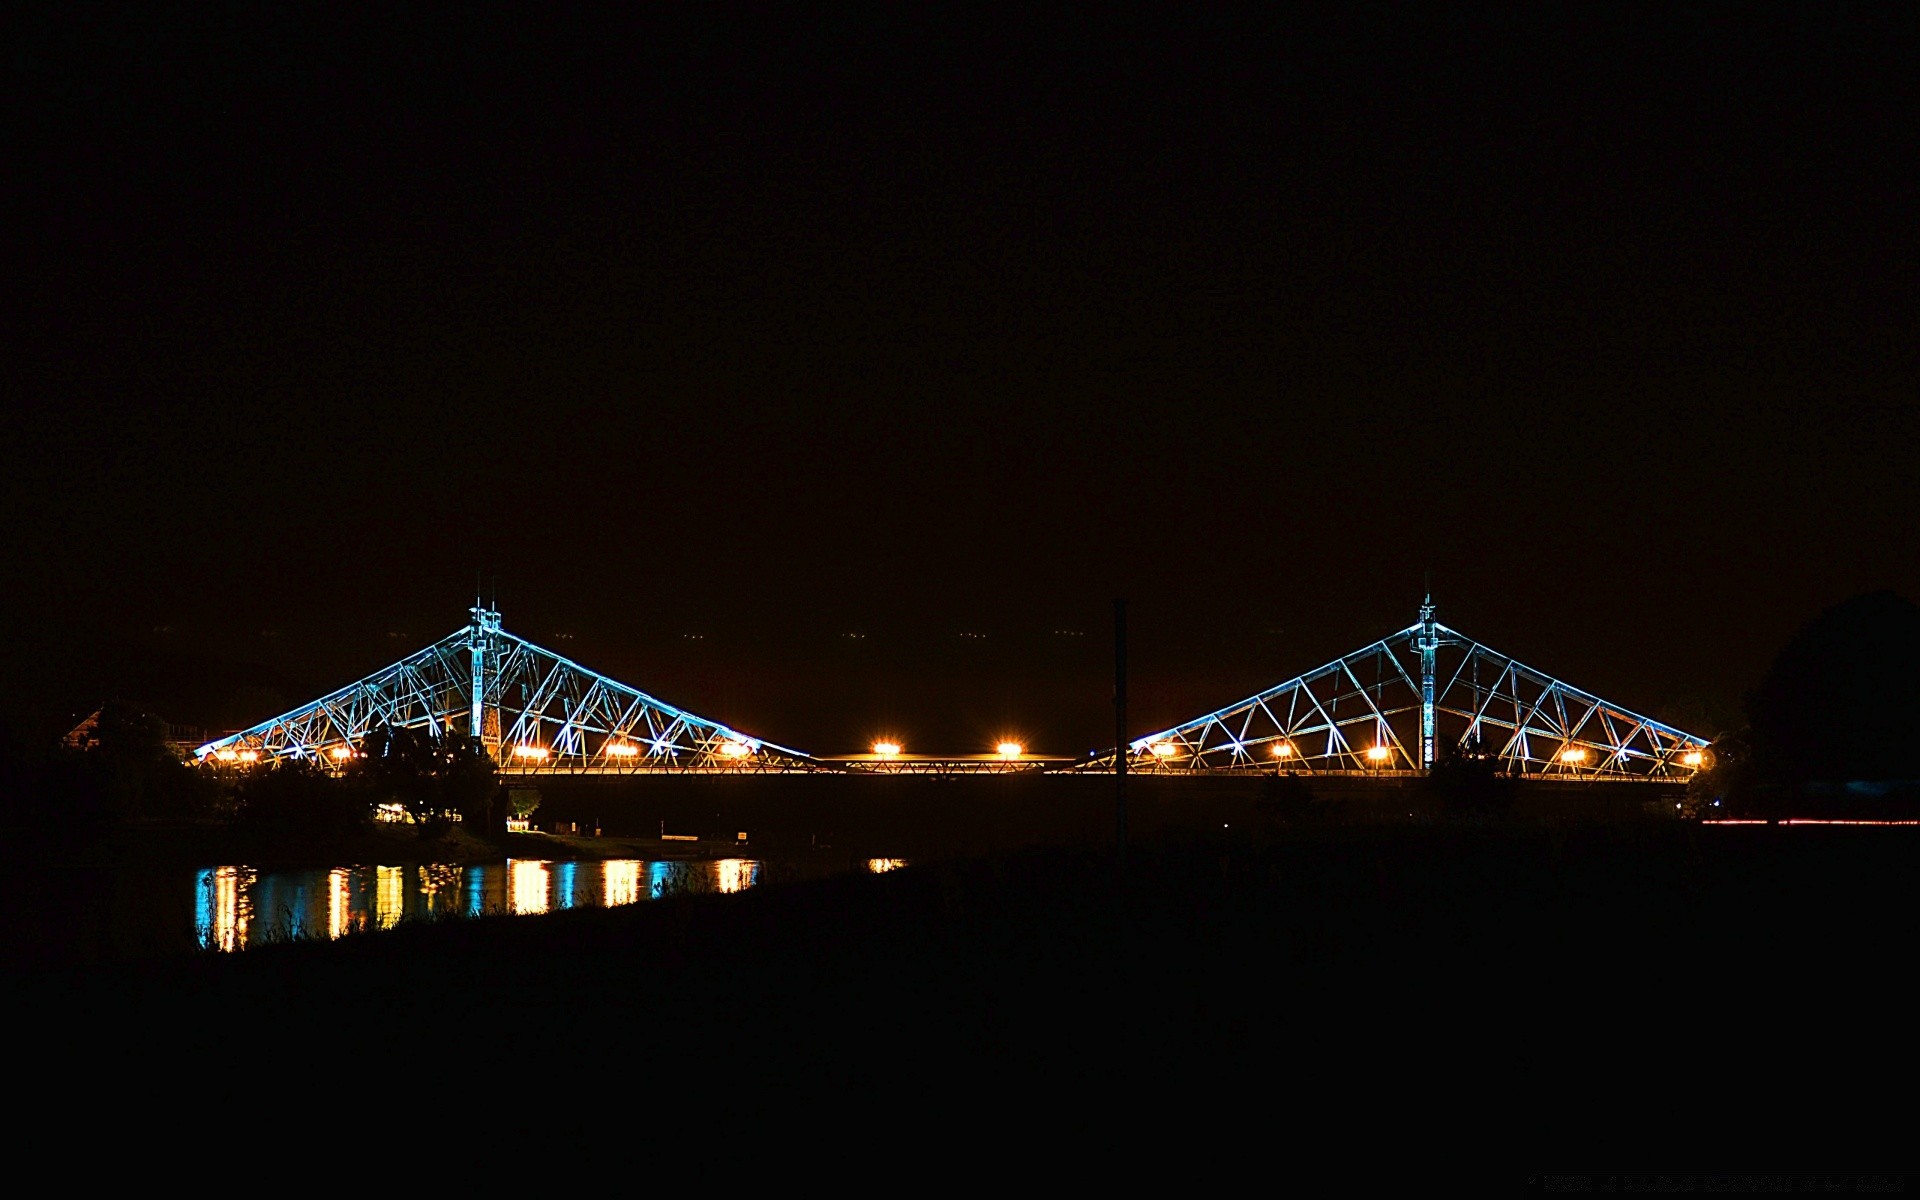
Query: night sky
[[710, 340]]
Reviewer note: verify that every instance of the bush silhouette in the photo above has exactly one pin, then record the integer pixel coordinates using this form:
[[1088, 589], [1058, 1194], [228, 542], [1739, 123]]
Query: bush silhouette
[[432, 777], [1286, 799], [1842, 700], [1468, 780], [297, 798]]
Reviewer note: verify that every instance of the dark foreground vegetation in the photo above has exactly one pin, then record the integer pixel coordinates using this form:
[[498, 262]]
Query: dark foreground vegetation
[[1833, 728], [1528, 986], [117, 790]]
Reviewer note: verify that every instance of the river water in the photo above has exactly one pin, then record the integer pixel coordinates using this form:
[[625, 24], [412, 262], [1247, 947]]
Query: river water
[[236, 907]]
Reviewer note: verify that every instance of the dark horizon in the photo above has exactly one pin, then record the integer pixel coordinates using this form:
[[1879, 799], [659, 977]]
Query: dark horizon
[[772, 330]]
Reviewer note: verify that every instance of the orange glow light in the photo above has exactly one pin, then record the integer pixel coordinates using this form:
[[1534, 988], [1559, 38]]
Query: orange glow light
[[1164, 749], [340, 753], [623, 749], [249, 756], [1010, 749], [1693, 758], [735, 749], [536, 753], [886, 749], [227, 755], [1379, 753], [1283, 750], [1573, 754]]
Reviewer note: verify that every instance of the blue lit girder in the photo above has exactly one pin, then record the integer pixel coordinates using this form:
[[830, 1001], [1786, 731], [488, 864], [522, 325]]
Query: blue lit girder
[[1359, 713], [533, 710]]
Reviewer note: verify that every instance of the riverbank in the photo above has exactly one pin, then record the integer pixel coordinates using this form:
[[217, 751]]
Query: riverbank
[[162, 844], [830, 817], [142, 845]]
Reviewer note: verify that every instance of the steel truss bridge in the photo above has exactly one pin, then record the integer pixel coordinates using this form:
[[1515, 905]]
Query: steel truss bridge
[[1396, 707], [532, 710], [1409, 700]]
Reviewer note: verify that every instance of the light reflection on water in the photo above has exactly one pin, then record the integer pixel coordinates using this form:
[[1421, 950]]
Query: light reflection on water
[[236, 907], [623, 882], [226, 907], [530, 886]]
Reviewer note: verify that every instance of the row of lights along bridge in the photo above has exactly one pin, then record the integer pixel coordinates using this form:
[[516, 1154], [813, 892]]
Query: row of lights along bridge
[[887, 749], [527, 753], [1381, 754]]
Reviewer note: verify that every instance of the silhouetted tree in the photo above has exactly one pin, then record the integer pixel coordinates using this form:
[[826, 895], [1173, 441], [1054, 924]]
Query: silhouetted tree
[[1725, 787], [66, 793], [1842, 700], [396, 766], [431, 777], [50, 797], [1468, 781], [131, 772], [523, 802], [295, 798], [1284, 799], [468, 782]]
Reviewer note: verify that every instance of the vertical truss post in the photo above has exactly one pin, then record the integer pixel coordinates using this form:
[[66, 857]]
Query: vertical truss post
[[1429, 642], [486, 623]]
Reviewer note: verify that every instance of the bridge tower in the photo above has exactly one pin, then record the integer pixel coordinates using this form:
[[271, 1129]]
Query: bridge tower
[[1428, 642], [480, 637]]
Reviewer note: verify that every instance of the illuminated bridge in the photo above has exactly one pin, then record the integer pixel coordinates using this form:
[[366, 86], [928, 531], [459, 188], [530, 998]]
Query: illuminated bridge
[[531, 709], [1402, 704], [1396, 707]]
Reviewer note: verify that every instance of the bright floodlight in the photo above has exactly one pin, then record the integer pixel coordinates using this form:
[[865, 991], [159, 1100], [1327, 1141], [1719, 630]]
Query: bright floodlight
[[1282, 750], [249, 756], [226, 755], [1010, 749], [886, 749], [735, 749], [1573, 754], [340, 753], [1693, 758], [623, 749], [1164, 749], [1379, 753], [533, 752]]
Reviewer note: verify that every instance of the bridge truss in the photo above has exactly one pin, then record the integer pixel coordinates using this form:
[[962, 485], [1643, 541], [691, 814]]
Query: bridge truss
[[534, 711], [1403, 703]]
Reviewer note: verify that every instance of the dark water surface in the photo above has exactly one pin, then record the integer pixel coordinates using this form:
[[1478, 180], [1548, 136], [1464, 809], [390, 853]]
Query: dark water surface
[[55, 913], [236, 906]]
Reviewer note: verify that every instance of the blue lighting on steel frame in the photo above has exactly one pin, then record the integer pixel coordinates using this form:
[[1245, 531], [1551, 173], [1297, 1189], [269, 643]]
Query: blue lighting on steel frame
[[532, 709], [1406, 701]]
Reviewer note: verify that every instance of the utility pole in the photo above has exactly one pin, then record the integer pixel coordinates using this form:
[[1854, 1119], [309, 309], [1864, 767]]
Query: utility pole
[[1120, 728]]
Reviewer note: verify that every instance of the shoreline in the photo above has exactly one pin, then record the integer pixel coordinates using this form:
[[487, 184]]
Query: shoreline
[[187, 845]]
